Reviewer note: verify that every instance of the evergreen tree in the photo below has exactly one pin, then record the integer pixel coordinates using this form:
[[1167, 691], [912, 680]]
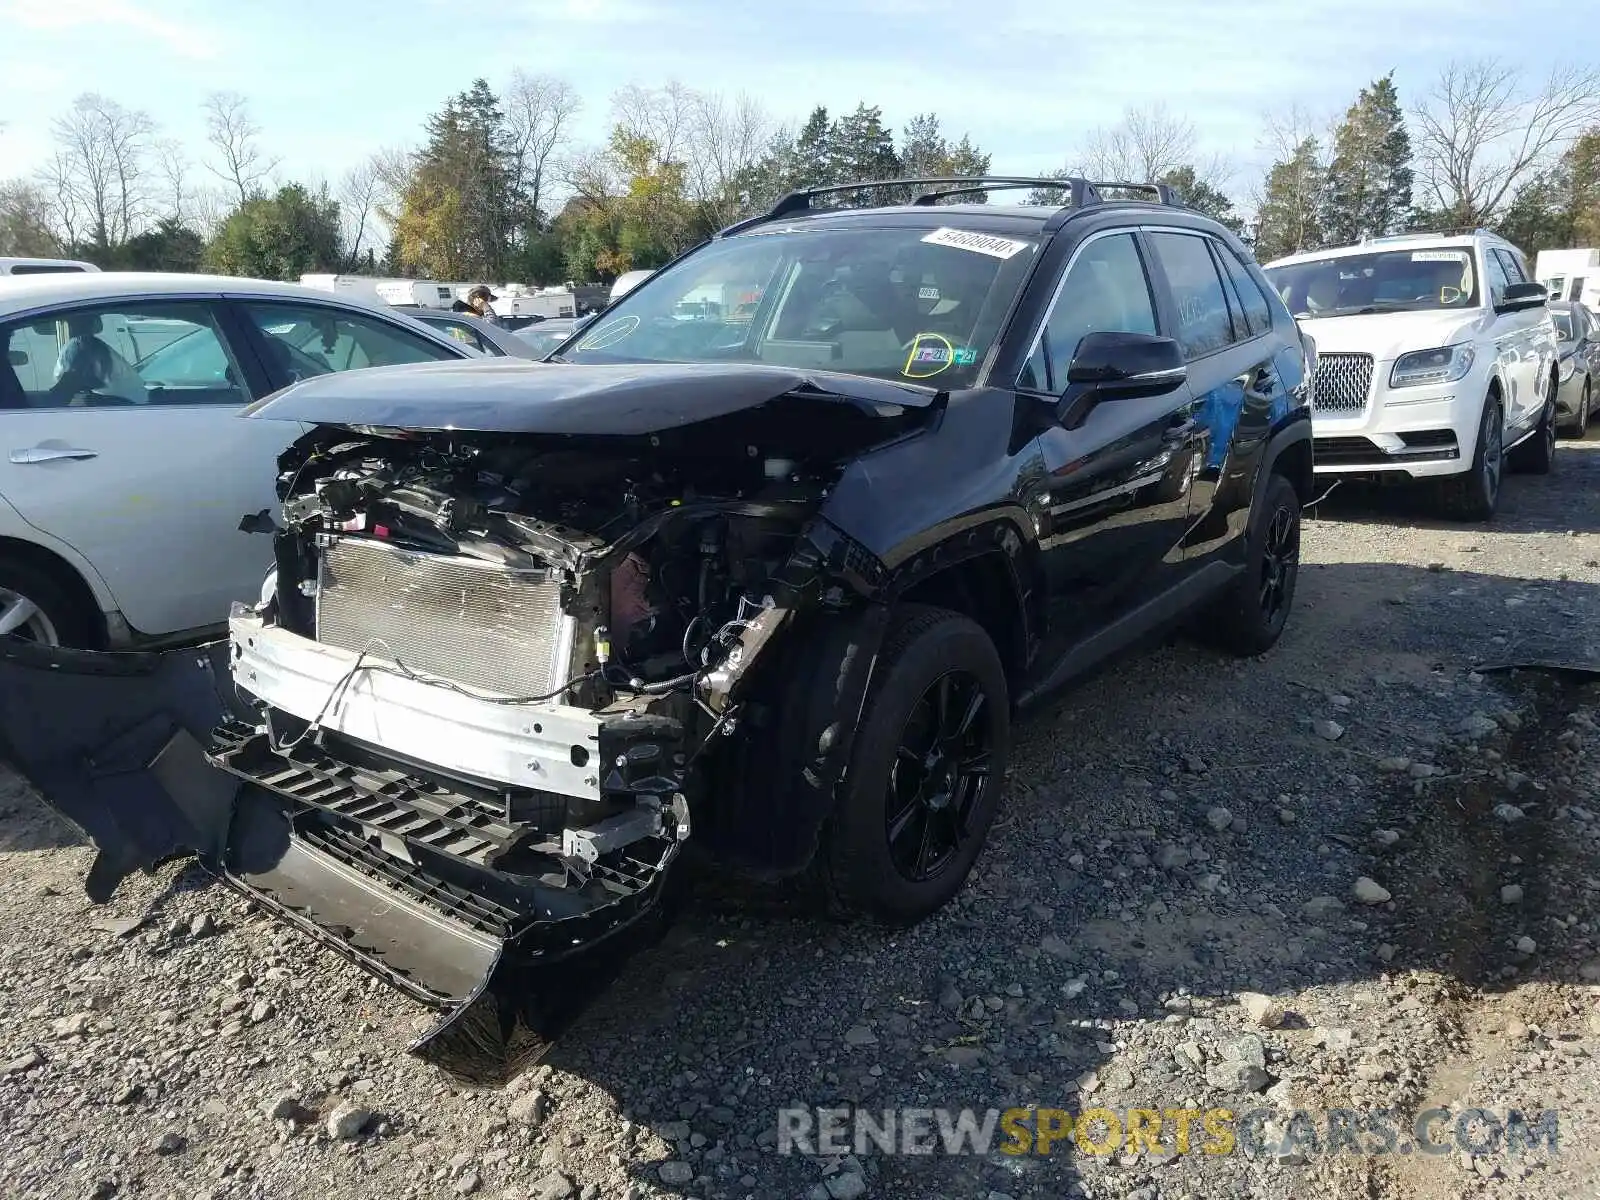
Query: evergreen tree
[[863, 147], [812, 164], [1289, 219], [1368, 190], [458, 210], [281, 236], [1203, 197]]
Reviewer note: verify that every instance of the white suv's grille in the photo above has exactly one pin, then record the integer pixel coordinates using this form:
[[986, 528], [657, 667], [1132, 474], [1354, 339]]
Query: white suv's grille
[[1343, 382]]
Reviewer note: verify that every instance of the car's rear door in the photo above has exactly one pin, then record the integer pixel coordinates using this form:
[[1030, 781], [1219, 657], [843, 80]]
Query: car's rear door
[[1244, 387], [143, 469]]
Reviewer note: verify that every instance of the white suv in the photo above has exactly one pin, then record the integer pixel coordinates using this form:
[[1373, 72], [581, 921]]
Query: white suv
[[1436, 361]]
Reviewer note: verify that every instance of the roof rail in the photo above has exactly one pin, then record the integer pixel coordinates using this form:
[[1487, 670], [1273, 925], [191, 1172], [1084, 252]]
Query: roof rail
[[1454, 231], [1081, 192]]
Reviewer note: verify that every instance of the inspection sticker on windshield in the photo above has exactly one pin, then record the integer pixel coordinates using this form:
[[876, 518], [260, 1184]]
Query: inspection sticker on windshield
[[1439, 256], [981, 243]]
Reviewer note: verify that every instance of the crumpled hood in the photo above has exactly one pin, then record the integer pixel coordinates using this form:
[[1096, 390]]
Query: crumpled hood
[[1386, 336], [517, 396]]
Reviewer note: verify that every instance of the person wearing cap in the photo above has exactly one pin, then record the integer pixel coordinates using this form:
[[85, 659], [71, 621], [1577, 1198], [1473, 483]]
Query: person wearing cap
[[479, 298]]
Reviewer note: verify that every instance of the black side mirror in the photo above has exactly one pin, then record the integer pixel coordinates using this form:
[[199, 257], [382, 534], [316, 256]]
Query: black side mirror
[[1115, 365], [17, 358], [1522, 295]]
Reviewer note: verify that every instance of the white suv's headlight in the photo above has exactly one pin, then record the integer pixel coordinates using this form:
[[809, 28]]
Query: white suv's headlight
[[1444, 365], [269, 588], [1568, 367]]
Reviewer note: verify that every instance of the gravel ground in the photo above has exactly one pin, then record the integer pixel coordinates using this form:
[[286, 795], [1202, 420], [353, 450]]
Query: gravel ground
[[1182, 831]]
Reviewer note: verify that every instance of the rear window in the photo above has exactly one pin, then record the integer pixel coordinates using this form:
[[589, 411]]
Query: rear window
[[902, 304]]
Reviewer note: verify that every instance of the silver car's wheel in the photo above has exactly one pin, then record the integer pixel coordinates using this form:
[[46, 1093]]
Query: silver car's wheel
[[22, 617]]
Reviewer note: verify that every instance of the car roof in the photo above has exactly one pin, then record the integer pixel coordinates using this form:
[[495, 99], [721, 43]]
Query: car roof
[[1455, 241], [19, 293], [1026, 220]]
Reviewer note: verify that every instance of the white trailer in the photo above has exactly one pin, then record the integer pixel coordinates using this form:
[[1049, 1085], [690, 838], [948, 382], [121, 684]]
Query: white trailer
[[354, 287], [416, 293], [1571, 275]]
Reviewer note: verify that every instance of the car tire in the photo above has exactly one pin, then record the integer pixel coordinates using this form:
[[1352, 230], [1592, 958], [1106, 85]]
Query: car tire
[[50, 613], [1537, 455], [1580, 423], [1474, 495], [912, 817], [1249, 618]]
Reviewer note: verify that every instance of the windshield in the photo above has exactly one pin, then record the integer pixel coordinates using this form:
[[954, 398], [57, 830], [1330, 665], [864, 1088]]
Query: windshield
[[1563, 322], [1383, 281], [901, 304]]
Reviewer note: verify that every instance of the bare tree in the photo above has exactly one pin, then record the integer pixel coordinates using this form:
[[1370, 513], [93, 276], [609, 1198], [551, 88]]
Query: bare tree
[[1146, 146], [539, 110], [728, 139], [665, 115], [240, 163], [363, 192], [1482, 130], [177, 188], [26, 220], [98, 172]]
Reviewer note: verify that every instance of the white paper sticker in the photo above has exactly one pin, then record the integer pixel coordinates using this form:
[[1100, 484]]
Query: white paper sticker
[[979, 243], [1456, 256], [928, 293]]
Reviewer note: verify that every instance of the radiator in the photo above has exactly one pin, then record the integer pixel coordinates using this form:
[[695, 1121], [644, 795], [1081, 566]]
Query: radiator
[[475, 623]]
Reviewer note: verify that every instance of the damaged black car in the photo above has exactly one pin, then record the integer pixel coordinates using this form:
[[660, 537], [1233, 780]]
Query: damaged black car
[[765, 559]]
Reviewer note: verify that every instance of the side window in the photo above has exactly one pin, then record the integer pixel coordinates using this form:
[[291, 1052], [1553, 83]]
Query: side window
[[1257, 308], [1203, 324], [147, 354], [1513, 265], [305, 340], [1498, 280], [464, 334], [1105, 290]]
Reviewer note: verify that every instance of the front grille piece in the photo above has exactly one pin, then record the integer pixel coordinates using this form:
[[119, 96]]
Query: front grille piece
[[1343, 383]]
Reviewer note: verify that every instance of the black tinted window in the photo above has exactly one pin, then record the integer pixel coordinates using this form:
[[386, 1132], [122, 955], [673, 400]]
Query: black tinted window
[[1105, 291], [1203, 323], [1257, 309]]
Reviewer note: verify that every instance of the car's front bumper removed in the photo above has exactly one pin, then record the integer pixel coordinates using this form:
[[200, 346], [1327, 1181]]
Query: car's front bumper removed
[[154, 756]]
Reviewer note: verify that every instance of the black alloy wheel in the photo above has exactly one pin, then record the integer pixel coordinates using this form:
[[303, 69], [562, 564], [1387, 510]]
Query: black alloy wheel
[[1280, 562], [944, 756]]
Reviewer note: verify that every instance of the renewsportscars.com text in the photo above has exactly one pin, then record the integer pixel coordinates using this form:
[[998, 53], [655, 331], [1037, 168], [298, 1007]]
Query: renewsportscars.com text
[[1211, 1131]]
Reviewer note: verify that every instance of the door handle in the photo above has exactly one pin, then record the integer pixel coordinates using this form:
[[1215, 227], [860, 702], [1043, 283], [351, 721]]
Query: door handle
[[41, 454]]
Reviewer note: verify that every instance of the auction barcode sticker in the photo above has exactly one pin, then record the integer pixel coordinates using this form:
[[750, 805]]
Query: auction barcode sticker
[[1439, 256], [981, 243]]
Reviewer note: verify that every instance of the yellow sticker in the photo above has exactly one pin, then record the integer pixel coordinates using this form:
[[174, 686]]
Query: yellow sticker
[[930, 354]]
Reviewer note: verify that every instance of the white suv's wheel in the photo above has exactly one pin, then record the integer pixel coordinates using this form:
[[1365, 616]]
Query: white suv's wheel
[[1474, 495]]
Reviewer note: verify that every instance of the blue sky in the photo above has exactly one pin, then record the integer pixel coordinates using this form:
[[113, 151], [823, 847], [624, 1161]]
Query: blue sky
[[329, 81]]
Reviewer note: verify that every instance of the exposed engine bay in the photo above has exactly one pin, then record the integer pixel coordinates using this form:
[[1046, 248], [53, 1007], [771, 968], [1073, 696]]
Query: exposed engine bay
[[493, 673]]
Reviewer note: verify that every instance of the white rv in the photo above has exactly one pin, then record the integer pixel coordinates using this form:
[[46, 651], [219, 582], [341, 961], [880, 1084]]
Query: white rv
[[353, 287], [1571, 275], [43, 266]]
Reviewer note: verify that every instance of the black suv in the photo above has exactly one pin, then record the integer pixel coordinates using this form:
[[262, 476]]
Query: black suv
[[765, 558]]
